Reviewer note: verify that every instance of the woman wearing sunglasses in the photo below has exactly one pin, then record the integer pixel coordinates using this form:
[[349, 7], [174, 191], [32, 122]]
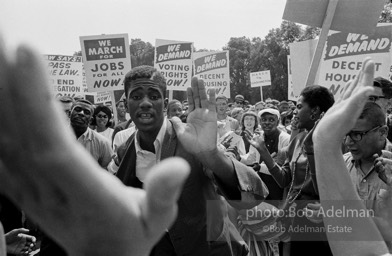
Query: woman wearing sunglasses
[[101, 119]]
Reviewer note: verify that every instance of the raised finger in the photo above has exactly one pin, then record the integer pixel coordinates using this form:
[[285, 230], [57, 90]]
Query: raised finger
[[195, 91], [202, 93], [191, 102]]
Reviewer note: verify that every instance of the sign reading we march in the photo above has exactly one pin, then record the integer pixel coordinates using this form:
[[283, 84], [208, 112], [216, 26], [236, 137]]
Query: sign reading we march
[[65, 75], [106, 61], [174, 60]]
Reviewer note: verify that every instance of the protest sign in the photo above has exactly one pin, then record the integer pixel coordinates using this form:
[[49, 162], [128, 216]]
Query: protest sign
[[174, 60], [342, 58], [261, 78], [65, 75], [106, 61], [356, 16], [213, 68], [290, 90], [102, 97]]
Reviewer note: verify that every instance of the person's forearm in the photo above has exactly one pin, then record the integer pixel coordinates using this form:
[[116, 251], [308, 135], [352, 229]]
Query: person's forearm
[[221, 166], [335, 187], [281, 177]]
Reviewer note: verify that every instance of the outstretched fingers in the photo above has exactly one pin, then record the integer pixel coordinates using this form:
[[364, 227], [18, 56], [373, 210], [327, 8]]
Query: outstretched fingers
[[195, 91]]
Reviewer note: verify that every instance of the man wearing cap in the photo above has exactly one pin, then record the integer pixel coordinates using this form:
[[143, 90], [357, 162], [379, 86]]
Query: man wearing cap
[[275, 140], [239, 101], [98, 146]]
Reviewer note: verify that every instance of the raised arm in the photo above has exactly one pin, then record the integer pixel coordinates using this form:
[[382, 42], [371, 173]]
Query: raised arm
[[334, 183], [58, 184]]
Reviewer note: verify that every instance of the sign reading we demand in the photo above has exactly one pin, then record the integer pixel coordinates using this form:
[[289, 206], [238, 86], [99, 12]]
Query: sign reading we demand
[[106, 61], [174, 60], [213, 68]]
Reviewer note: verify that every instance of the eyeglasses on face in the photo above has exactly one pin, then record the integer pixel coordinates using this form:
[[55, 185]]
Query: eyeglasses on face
[[102, 116], [357, 136]]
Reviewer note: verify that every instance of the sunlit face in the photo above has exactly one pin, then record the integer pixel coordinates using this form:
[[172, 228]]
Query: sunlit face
[[174, 110], [66, 106], [269, 123], [249, 122], [101, 119], [146, 104], [302, 115], [221, 106]]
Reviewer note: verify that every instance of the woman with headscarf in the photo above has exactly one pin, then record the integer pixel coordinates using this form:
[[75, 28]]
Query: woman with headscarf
[[101, 119]]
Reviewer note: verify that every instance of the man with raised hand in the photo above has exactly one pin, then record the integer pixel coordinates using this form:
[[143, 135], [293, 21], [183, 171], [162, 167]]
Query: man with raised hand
[[362, 237], [55, 180], [202, 226]]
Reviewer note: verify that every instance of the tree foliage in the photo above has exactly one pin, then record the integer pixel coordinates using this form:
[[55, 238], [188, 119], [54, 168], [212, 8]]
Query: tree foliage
[[142, 53], [254, 55]]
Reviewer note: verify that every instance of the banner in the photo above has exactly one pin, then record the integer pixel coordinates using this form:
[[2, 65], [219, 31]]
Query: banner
[[65, 75], [106, 61], [342, 58], [261, 78], [213, 68], [174, 60]]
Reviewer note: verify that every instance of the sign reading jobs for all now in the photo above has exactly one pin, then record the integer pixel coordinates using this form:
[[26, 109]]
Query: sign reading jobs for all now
[[342, 59], [106, 61]]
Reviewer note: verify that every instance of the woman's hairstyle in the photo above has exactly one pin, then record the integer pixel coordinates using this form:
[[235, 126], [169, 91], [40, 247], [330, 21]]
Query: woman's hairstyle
[[318, 96], [235, 111], [104, 109], [249, 113], [286, 115]]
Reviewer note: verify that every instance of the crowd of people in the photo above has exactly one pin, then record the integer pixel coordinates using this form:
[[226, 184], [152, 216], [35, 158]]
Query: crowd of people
[[205, 176]]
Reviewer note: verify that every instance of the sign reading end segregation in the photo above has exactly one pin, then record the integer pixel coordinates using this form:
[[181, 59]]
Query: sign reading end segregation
[[65, 75], [213, 68], [174, 60], [107, 60]]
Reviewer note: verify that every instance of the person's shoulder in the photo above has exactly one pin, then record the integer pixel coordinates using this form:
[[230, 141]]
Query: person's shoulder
[[99, 137]]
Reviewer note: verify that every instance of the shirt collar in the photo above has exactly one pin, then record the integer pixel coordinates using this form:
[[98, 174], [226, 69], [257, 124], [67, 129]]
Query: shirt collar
[[87, 135], [158, 140]]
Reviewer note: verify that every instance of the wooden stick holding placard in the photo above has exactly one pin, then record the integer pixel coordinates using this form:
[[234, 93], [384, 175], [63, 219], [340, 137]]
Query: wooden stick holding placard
[[332, 4], [114, 107]]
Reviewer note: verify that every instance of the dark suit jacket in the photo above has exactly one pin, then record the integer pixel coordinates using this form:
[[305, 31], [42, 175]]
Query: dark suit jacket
[[202, 226]]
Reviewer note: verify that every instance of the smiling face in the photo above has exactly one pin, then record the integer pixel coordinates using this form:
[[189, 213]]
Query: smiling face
[[221, 106], [146, 105], [249, 123], [101, 119]]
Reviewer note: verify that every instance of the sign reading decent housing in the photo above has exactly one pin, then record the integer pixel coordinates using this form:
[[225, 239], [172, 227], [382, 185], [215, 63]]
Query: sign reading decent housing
[[213, 68]]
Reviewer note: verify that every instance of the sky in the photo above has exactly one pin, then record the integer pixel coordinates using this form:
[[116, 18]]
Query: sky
[[54, 26]]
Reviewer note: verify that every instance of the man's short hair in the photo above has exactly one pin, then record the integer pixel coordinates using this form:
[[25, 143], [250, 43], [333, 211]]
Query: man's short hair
[[221, 97], [373, 113], [146, 72], [385, 85]]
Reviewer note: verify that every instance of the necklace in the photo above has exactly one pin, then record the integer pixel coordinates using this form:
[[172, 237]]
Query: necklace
[[292, 182]]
